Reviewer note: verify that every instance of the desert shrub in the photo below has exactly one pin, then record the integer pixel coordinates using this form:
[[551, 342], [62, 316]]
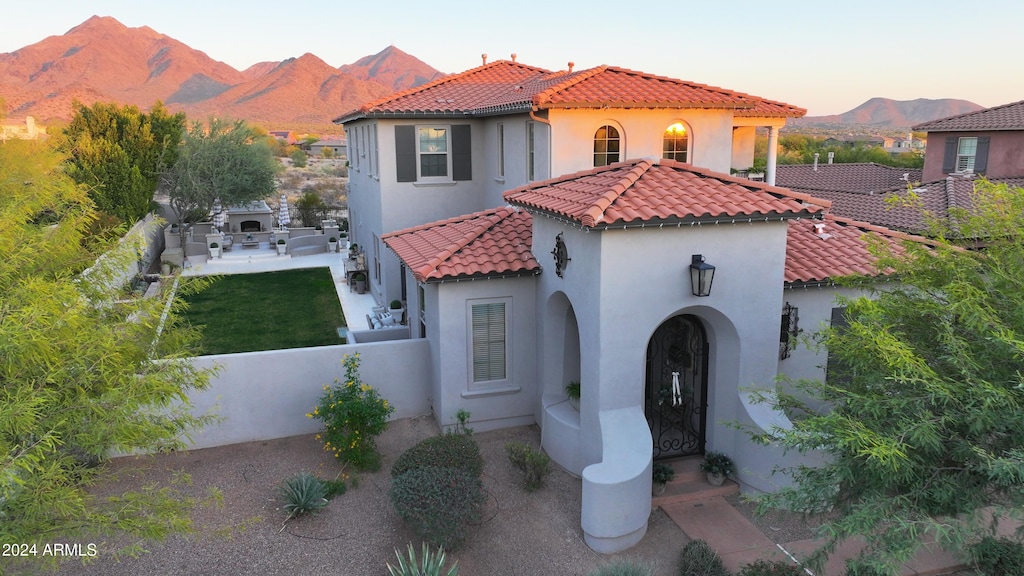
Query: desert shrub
[[771, 568], [861, 568], [303, 494], [698, 559], [623, 567], [1002, 557], [353, 415], [534, 464], [444, 451], [439, 503], [335, 487], [428, 564]]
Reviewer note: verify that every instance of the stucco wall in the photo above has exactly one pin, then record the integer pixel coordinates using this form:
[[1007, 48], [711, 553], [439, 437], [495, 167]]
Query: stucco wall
[[1005, 153], [493, 404], [265, 395], [642, 133]]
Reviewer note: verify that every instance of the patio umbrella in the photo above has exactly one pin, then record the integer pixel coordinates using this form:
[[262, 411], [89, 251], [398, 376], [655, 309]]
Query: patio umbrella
[[218, 215], [283, 218]]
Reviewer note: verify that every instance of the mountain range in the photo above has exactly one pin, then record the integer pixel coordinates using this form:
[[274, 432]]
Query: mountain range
[[104, 60], [886, 113]]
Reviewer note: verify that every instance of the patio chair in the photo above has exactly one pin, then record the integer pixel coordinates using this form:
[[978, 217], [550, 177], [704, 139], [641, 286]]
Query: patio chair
[[226, 244]]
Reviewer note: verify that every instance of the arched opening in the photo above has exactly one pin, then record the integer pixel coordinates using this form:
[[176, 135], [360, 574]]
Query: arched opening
[[676, 387], [676, 143], [607, 145]]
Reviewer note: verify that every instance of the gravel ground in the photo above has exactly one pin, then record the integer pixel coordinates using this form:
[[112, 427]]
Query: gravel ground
[[778, 525], [358, 532]]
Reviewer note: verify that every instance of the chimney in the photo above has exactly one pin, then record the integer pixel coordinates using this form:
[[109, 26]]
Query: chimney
[[571, 64], [513, 56], [816, 161], [831, 156], [484, 58]]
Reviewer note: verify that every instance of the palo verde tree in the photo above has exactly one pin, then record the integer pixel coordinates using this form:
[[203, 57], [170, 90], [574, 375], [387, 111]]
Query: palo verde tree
[[225, 160], [119, 154], [924, 437], [83, 374]]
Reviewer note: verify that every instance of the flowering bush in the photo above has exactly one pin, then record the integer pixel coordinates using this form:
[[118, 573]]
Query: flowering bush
[[353, 415]]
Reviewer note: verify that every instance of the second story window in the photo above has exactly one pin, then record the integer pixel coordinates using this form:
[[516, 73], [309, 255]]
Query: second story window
[[967, 151], [433, 154], [501, 150], [606, 146], [531, 152], [675, 143]]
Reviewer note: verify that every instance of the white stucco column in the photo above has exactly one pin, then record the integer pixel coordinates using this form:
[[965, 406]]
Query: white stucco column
[[773, 154]]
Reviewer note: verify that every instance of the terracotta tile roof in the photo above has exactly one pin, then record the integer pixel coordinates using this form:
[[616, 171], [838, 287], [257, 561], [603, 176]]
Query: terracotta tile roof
[[504, 86], [1005, 117], [772, 109], [822, 250], [854, 177], [640, 192], [882, 207], [490, 243]]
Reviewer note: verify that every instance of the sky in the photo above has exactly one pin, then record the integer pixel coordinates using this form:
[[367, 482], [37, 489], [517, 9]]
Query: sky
[[827, 57]]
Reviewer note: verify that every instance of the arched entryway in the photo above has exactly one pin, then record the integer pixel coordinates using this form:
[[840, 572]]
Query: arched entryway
[[676, 396]]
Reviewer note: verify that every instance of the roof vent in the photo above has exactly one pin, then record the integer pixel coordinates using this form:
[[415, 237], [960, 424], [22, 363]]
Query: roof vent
[[816, 161], [513, 56], [819, 229], [484, 58], [571, 64]]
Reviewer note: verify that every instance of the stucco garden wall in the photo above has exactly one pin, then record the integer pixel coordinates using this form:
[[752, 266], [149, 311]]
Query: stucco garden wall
[[266, 395]]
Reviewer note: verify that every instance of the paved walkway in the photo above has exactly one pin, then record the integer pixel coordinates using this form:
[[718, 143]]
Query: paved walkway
[[355, 306], [739, 542]]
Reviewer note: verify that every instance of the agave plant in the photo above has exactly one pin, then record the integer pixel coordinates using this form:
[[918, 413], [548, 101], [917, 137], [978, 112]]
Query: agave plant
[[302, 494], [429, 564]]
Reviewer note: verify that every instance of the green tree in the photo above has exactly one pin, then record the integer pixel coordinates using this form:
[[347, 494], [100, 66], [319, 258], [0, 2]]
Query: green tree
[[311, 208], [80, 375], [119, 153], [298, 158], [226, 160], [926, 386]]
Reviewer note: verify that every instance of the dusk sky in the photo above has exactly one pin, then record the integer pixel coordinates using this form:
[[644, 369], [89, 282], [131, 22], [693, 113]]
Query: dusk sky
[[827, 57]]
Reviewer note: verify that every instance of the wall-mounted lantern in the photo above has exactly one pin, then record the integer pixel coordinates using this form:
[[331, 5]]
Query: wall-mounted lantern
[[702, 275]]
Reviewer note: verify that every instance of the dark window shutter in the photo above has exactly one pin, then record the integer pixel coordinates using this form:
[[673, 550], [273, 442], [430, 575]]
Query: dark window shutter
[[462, 153], [949, 160], [835, 372], [405, 153], [981, 155]]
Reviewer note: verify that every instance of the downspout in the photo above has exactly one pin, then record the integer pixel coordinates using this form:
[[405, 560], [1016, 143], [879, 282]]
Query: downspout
[[535, 118]]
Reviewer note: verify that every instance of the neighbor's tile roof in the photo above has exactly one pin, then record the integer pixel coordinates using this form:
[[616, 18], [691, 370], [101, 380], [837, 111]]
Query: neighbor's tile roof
[[854, 177], [510, 86], [650, 191], [484, 244], [1005, 117], [818, 251], [884, 207]]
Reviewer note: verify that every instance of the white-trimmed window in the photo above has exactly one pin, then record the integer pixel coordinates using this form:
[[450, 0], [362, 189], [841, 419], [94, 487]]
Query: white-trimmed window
[[374, 157], [675, 143], [607, 145], [966, 152], [488, 335], [433, 160], [531, 151], [501, 150]]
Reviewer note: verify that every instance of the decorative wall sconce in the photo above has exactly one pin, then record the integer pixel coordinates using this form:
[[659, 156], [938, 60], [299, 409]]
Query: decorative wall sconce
[[702, 275], [561, 254]]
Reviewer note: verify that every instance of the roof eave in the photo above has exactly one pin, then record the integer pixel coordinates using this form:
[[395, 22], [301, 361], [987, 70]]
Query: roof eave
[[489, 276], [649, 105]]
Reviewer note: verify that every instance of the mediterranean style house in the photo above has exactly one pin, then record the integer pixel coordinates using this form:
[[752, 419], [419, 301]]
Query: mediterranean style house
[[547, 228], [988, 142]]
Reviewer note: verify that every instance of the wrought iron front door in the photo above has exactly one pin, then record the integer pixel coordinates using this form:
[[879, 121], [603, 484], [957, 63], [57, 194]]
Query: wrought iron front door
[[677, 387]]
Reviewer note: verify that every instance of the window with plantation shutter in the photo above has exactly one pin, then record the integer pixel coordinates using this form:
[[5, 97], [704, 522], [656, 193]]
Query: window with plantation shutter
[[488, 341]]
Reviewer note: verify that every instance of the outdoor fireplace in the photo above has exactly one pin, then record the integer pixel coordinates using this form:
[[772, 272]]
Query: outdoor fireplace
[[250, 226]]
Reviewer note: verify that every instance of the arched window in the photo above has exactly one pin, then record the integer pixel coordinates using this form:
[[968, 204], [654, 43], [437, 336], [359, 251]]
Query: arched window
[[675, 143], [606, 146]]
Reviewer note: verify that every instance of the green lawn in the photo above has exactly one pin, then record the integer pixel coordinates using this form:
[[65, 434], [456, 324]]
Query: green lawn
[[268, 311]]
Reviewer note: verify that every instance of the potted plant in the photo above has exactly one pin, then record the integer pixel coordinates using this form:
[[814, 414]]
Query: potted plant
[[397, 312], [572, 390], [352, 251], [282, 246], [360, 280], [214, 250], [718, 466], [663, 474], [332, 244]]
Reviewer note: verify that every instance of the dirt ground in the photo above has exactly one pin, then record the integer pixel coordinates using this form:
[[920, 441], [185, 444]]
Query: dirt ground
[[357, 533]]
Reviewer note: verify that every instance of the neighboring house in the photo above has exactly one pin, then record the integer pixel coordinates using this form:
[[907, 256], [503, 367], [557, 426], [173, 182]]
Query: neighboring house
[[988, 142], [337, 147], [286, 136], [856, 140], [522, 281], [851, 177]]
